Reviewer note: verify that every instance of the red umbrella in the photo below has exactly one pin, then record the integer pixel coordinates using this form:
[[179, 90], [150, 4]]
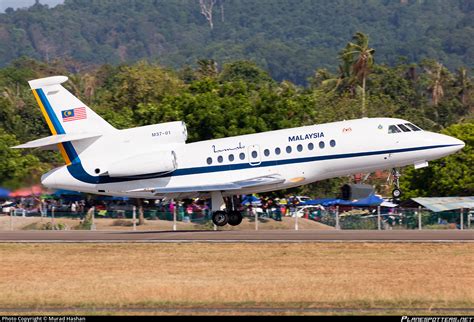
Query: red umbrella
[[27, 192]]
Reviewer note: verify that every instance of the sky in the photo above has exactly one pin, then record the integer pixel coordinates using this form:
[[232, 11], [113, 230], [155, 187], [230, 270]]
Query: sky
[[25, 3]]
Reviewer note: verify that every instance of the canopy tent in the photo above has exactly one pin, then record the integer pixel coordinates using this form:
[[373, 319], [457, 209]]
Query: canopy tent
[[250, 199], [27, 192], [63, 192], [69, 195], [314, 202], [4, 193], [438, 204], [370, 201]]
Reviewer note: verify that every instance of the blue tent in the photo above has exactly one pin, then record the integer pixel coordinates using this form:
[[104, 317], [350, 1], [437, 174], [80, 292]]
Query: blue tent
[[69, 195], [65, 193], [4, 193], [370, 201], [314, 202], [246, 200]]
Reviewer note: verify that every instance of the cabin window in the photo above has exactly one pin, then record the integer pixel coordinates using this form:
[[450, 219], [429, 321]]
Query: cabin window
[[403, 128], [242, 156], [277, 151], [209, 160], [393, 129], [413, 127], [310, 146], [332, 143], [231, 157], [220, 159], [321, 144], [254, 154], [288, 149], [299, 148], [266, 152]]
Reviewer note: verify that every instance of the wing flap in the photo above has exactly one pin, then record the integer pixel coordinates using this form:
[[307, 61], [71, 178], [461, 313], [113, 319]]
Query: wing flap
[[246, 183], [51, 141]]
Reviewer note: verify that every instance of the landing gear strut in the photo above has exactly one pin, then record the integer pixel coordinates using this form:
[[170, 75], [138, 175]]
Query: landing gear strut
[[396, 192], [222, 217]]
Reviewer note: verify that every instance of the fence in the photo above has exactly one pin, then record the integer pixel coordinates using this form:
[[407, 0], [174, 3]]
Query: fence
[[121, 218]]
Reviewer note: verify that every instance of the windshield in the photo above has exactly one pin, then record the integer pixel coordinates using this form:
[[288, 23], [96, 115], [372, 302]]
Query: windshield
[[413, 127]]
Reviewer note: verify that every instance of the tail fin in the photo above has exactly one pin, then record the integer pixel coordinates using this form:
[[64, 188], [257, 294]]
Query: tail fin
[[64, 112], [67, 118]]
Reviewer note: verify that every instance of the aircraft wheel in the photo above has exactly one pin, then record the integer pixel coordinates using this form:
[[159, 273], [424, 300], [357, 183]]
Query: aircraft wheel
[[396, 193], [220, 218], [235, 218]]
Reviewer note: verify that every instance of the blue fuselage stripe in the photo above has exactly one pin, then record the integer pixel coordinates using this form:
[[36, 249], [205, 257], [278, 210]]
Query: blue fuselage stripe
[[78, 172]]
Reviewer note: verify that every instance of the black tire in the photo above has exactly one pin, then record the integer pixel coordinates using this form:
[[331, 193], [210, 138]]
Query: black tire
[[220, 218], [235, 218], [396, 193]]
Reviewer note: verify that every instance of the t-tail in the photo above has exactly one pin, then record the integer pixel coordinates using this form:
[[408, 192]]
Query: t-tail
[[73, 125]]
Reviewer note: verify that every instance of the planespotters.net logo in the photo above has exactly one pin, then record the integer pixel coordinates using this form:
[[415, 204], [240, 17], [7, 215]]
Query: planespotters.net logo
[[437, 319]]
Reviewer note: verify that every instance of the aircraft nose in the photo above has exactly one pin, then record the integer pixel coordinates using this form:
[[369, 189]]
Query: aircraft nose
[[451, 144]]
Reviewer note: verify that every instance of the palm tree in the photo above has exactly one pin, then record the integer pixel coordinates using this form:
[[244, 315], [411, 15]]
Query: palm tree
[[464, 85], [359, 58], [437, 77]]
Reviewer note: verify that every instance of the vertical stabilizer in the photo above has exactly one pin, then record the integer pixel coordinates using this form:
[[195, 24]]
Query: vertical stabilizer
[[64, 112]]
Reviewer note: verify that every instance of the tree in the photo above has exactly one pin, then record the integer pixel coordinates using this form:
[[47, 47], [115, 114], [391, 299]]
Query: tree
[[15, 167], [464, 85], [437, 75], [360, 58], [206, 10]]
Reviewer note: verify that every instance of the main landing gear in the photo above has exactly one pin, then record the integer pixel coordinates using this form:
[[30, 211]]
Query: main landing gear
[[223, 217], [396, 192]]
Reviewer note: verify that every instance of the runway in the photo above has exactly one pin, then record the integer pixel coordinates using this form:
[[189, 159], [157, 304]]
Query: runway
[[240, 236]]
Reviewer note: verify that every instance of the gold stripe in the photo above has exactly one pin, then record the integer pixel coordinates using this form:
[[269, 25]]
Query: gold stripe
[[51, 127], [64, 154], [45, 114]]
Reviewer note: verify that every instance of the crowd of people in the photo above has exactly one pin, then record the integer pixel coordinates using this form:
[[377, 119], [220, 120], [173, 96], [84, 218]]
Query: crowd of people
[[263, 206]]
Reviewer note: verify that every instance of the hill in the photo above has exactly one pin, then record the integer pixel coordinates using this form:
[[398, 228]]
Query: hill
[[287, 38]]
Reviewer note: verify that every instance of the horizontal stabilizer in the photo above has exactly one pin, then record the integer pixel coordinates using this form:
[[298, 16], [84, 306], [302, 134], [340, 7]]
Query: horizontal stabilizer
[[47, 81], [236, 185], [51, 141]]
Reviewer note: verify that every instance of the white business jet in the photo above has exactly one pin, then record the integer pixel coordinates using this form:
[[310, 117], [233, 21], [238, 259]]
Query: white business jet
[[155, 161]]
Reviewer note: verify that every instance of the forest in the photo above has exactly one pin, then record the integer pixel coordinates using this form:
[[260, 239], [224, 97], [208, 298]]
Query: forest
[[218, 99], [289, 39]]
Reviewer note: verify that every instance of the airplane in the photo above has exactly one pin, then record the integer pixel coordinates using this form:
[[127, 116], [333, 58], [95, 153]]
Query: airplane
[[155, 162]]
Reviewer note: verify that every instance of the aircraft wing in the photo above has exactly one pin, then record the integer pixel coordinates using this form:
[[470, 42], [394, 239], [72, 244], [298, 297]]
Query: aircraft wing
[[51, 141], [236, 185]]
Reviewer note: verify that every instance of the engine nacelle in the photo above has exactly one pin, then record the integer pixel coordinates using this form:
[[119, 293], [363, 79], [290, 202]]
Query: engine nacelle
[[150, 162]]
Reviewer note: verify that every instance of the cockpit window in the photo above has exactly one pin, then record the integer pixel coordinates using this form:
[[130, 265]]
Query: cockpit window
[[403, 128], [393, 129], [413, 127]]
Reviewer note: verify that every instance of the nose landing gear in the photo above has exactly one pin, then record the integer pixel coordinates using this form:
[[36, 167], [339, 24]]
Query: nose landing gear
[[396, 192]]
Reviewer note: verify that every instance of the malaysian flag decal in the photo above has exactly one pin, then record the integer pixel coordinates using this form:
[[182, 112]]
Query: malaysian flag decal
[[74, 114]]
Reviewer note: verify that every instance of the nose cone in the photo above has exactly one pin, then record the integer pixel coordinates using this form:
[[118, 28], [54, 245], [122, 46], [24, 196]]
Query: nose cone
[[455, 144]]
